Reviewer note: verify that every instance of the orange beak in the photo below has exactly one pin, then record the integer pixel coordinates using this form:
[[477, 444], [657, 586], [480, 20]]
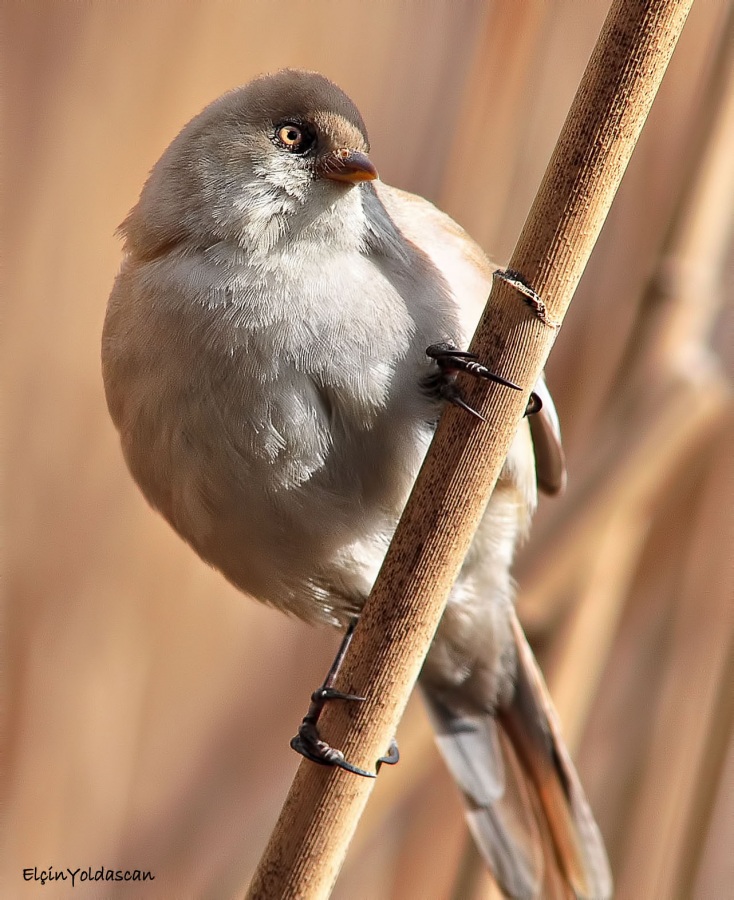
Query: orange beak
[[351, 166]]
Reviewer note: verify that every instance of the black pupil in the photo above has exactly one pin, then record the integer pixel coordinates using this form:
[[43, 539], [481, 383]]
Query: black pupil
[[294, 138]]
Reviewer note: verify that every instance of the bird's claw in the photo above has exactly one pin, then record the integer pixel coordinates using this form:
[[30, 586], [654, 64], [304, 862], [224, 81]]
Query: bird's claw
[[309, 744], [450, 361], [448, 390], [322, 694], [308, 741], [535, 404], [392, 757]]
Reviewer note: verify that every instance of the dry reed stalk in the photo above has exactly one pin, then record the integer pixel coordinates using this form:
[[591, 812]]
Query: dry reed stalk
[[684, 296], [586, 638], [715, 862], [320, 814], [608, 524], [696, 661], [665, 430], [489, 119]]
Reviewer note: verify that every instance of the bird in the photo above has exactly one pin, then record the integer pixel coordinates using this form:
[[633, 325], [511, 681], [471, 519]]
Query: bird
[[278, 345]]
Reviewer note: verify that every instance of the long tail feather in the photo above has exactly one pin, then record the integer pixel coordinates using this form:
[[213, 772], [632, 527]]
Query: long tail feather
[[525, 805]]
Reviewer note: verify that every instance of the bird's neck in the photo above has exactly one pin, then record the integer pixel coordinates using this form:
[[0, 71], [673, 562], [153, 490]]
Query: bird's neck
[[331, 222]]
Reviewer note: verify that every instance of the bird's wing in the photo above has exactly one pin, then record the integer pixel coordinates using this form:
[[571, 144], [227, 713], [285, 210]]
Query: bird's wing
[[461, 261], [468, 271]]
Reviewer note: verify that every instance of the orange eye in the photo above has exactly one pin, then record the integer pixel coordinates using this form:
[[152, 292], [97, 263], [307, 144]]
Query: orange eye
[[294, 138], [290, 136]]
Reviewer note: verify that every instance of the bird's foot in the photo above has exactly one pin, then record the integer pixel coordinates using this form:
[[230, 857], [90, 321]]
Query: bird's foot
[[309, 743], [450, 361]]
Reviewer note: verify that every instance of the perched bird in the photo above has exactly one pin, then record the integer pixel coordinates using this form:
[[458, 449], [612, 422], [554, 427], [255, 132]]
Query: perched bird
[[264, 359]]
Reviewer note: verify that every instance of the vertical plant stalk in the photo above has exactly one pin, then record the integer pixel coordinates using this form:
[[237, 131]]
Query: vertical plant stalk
[[311, 837]]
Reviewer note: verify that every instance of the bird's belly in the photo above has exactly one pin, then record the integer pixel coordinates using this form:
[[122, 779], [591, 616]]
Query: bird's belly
[[314, 546], [293, 502], [283, 457]]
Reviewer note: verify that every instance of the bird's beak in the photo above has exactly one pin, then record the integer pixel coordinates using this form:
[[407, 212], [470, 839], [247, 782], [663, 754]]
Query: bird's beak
[[351, 166]]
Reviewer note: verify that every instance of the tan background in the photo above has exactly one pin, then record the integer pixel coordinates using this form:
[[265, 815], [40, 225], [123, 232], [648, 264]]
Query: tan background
[[149, 706]]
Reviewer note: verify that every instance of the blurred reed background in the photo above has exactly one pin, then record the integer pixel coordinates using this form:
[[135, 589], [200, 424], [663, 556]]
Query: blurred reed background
[[149, 706]]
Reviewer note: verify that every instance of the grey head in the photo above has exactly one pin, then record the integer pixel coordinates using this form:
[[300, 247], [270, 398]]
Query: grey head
[[257, 166]]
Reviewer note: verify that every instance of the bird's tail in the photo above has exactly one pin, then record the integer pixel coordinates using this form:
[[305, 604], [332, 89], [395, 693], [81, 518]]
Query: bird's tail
[[525, 805]]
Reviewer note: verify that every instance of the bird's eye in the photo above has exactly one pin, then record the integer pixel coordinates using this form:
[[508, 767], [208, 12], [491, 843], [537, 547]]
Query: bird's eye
[[294, 138]]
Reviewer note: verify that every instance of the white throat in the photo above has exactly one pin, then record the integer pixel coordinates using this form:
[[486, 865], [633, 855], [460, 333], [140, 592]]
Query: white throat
[[323, 217]]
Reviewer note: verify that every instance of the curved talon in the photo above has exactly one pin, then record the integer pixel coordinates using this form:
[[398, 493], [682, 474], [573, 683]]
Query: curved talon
[[392, 757], [322, 694], [308, 743], [450, 360], [341, 763], [535, 404], [440, 351], [449, 391]]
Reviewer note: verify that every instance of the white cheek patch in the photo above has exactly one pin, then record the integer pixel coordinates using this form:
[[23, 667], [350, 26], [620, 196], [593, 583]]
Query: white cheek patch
[[280, 175]]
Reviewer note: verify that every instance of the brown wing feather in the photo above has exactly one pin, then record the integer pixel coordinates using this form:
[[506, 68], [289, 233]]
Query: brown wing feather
[[468, 270]]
